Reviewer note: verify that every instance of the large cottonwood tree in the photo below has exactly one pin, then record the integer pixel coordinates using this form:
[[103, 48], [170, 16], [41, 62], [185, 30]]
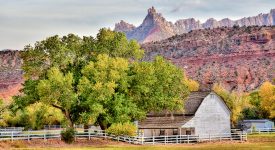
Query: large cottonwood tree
[[99, 80]]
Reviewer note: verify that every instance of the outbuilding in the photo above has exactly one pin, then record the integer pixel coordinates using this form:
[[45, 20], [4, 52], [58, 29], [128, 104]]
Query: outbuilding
[[258, 124], [204, 113]]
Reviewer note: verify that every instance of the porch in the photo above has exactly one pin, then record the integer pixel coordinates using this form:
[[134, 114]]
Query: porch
[[167, 131]]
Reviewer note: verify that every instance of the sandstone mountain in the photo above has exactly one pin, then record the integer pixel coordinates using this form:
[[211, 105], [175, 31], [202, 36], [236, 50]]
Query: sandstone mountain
[[240, 58], [11, 75], [155, 27]]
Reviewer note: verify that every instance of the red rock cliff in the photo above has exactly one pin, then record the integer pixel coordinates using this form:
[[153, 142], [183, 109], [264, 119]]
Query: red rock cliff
[[238, 58]]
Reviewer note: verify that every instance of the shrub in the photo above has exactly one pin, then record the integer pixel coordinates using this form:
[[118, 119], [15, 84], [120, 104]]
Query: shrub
[[67, 135], [122, 129]]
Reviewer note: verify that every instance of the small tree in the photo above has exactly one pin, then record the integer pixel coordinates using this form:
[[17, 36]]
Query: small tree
[[67, 135], [235, 101], [267, 94], [122, 129]]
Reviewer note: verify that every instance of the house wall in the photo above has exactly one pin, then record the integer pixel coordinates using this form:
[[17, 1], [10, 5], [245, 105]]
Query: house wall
[[257, 125], [156, 132], [212, 117]]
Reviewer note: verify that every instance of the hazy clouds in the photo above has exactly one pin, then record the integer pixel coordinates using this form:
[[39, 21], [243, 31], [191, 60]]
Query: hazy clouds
[[23, 22]]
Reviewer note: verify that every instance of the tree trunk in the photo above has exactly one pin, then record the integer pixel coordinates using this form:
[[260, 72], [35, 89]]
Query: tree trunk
[[68, 117], [102, 125], [86, 127]]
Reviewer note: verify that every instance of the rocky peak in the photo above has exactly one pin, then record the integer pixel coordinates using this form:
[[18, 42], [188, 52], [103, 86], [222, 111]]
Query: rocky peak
[[155, 27], [226, 22], [152, 11], [185, 25], [123, 26], [211, 23], [153, 18]]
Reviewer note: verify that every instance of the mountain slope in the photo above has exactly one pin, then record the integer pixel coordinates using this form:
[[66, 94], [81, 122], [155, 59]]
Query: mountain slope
[[155, 27], [11, 75], [238, 58]]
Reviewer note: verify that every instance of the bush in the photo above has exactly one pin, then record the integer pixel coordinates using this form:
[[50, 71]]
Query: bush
[[67, 135], [125, 129]]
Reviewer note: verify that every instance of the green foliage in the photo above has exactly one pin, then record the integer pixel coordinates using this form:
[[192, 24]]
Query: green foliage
[[158, 85], [122, 129], [191, 84], [251, 113], [235, 101], [34, 116], [30, 96], [98, 80], [267, 94], [58, 91], [67, 135], [255, 99]]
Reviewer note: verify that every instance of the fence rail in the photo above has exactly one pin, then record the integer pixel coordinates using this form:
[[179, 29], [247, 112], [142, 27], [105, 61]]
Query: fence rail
[[88, 134], [261, 130]]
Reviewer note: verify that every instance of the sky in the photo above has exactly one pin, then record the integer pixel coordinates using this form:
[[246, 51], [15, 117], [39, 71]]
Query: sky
[[24, 22]]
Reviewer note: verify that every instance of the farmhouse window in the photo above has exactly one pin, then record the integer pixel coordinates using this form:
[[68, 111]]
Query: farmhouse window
[[175, 131], [188, 132], [162, 132]]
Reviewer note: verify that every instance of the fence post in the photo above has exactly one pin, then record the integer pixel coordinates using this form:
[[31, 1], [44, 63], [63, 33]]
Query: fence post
[[11, 135], [199, 138], [188, 139], [28, 135], [177, 139], [75, 137], [89, 134], [164, 139], [60, 135], [153, 140], [44, 135], [241, 135]]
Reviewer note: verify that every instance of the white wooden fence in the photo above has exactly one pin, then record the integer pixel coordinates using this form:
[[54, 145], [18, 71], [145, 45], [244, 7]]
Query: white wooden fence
[[88, 134], [261, 130]]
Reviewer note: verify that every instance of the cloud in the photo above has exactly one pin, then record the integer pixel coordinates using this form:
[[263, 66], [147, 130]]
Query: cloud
[[26, 21]]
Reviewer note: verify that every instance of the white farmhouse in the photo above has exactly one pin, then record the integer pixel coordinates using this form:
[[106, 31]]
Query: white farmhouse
[[205, 113]]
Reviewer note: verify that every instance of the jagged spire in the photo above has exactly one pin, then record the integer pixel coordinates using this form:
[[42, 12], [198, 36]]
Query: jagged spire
[[152, 10]]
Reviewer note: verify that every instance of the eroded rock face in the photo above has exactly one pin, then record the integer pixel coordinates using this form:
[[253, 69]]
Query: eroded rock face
[[11, 75], [123, 26], [239, 58], [155, 27]]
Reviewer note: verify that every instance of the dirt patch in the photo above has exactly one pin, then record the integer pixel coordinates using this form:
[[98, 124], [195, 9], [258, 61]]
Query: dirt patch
[[55, 143]]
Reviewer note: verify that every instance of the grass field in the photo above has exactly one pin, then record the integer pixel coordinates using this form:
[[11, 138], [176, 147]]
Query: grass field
[[212, 146], [257, 142]]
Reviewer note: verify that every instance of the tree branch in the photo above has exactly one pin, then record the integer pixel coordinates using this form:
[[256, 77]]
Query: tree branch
[[58, 107]]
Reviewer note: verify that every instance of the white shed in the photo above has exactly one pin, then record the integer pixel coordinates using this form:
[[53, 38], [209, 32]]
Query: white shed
[[205, 113]]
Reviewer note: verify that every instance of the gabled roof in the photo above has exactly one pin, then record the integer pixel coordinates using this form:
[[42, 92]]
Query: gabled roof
[[164, 122], [193, 102], [257, 120]]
